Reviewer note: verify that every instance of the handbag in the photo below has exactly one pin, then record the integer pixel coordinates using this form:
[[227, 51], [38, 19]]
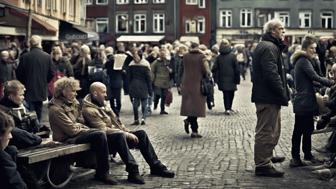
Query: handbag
[[207, 85], [169, 97]]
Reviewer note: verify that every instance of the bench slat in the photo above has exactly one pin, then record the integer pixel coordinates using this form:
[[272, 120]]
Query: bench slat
[[45, 153]]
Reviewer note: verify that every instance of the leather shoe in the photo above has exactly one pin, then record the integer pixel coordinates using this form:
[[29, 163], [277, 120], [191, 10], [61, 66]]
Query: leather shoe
[[107, 179], [136, 122], [278, 159], [186, 126], [163, 112], [163, 173], [135, 178], [195, 135], [268, 171], [297, 163]]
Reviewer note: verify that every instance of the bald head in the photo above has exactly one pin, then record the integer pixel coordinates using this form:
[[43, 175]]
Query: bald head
[[97, 87]]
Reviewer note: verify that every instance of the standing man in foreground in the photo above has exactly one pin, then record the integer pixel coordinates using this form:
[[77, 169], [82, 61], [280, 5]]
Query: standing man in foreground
[[269, 93]]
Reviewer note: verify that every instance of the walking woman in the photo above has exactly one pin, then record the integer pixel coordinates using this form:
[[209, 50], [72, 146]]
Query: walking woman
[[227, 72], [195, 67], [305, 104]]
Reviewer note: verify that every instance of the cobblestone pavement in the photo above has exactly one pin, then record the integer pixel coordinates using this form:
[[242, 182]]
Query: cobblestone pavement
[[223, 158]]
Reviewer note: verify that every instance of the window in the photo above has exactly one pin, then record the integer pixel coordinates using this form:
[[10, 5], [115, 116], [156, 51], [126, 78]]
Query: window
[[201, 3], [120, 2], [225, 18], [201, 25], [190, 26], [55, 5], [158, 1], [245, 18], [64, 6], [88, 2], [140, 1], [283, 16], [122, 23], [139, 23], [191, 2], [2, 12], [305, 19], [102, 25], [159, 23], [327, 19], [101, 2]]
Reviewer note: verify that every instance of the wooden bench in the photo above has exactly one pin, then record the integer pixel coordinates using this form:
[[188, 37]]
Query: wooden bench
[[53, 162]]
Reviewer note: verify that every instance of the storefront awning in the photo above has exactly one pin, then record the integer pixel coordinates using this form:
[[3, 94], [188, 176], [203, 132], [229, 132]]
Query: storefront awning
[[140, 38], [70, 32], [194, 39]]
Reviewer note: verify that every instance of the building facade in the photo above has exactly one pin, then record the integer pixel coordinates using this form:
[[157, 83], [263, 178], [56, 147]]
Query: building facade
[[240, 20], [195, 20]]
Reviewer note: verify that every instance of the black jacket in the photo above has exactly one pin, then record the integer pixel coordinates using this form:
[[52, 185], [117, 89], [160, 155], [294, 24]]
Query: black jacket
[[269, 79], [305, 100], [226, 70], [140, 83], [35, 72], [10, 178]]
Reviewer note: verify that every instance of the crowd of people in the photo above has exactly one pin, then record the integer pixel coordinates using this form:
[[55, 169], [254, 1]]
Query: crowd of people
[[84, 86]]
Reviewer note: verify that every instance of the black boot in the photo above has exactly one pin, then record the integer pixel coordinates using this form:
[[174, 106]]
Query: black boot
[[133, 174]]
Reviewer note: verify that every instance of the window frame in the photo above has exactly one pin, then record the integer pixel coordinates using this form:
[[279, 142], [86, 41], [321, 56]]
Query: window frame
[[135, 30], [105, 3], [277, 14], [327, 17], [301, 13], [246, 11], [117, 25], [156, 20], [191, 2], [137, 2], [202, 6], [200, 19], [122, 2], [159, 1], [221, 20], [102, 20]]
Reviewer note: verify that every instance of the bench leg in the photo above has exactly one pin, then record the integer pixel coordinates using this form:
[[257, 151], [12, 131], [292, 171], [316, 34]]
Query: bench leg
[[58, 172]]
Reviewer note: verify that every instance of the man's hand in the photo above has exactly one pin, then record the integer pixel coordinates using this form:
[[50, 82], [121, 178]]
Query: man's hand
[[132, 138]]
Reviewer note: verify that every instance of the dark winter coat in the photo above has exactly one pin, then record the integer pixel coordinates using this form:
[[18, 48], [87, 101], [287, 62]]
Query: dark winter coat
[[140, 82], [305, 100], [269, 78], [64, 66], [116, 80], [226, 70], [35, 72], [10, 178], [7, 71], [195, 67]]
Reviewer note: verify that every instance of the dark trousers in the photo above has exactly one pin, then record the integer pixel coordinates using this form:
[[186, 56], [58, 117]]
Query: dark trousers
[[118, 142], [115, 100], [228, 99], [99, 145], [37, 107], [136, 103], [162, 95], [304, 126], [193, 123]]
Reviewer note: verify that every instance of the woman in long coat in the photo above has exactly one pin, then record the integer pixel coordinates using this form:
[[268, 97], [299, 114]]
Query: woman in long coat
[[195, 67]]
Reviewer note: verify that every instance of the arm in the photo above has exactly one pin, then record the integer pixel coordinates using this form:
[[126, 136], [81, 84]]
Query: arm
[[308, 69], [95, 121], [69, 127]]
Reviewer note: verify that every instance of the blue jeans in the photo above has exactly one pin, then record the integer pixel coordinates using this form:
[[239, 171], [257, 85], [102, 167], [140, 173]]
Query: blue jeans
[[136, 104]]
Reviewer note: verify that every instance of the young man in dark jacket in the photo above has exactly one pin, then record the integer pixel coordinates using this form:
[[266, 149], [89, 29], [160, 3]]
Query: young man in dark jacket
[[269, 93]]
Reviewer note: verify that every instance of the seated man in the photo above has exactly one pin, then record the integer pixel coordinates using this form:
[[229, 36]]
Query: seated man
[[67, 126], [25, 124], [98, 115]]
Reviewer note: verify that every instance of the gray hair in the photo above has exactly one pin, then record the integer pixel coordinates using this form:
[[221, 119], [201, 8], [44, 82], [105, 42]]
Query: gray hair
[[35, 41], [271, 25]]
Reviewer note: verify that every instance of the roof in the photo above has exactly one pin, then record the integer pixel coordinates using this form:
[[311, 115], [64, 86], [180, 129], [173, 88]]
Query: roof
[[140, 38]]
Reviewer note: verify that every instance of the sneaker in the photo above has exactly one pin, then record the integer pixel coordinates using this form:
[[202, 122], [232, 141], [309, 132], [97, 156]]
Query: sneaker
[[195, 135], [227, 112], [297, 163], [163, 112], [135, 178], [107, 179], [136, 122], [268, 171], [278, 159], [186, 126], [143, 122]]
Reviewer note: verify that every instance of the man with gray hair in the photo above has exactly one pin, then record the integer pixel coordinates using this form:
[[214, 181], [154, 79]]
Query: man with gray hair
[[269, 93], [35, 71]]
